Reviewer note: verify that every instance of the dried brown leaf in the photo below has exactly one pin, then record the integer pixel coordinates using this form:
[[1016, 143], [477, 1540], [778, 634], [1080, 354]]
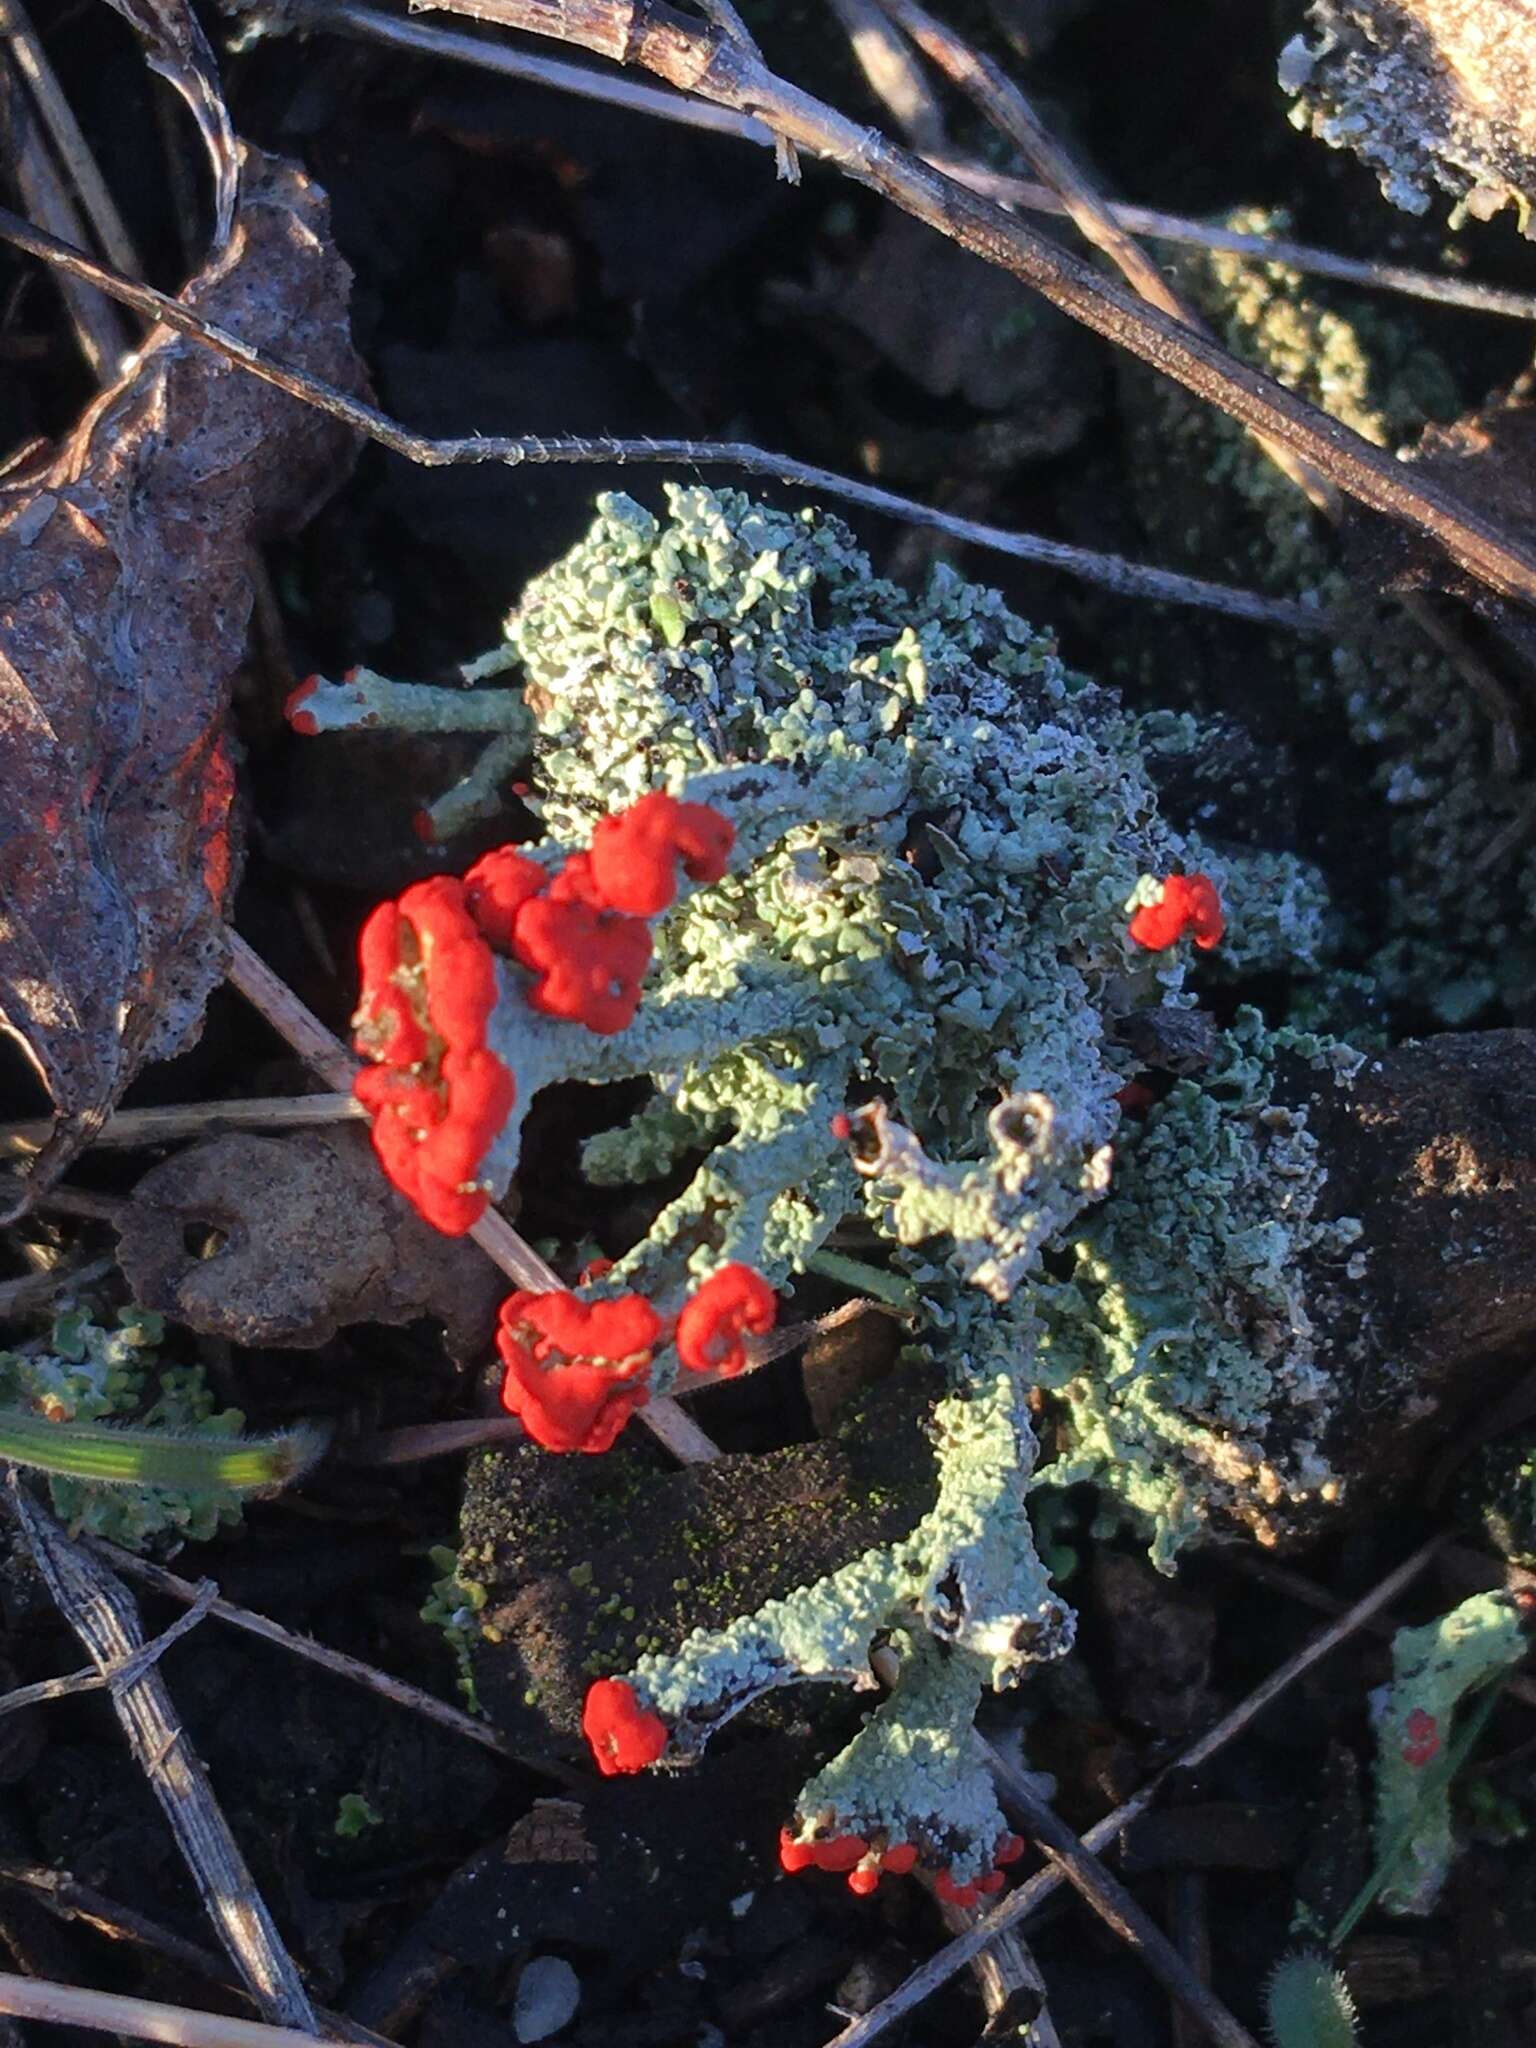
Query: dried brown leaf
[[125, 590]]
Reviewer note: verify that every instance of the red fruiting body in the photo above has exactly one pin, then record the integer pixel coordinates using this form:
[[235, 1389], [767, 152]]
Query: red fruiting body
[[497, 887], [992, 1882], [622, 1735], [954, 1894], [303, 722], [589, 962], [794, 1856], [437, 1095], [1190, 904], [1009, 1849], [576, 1370], [841, 1853], [635, 853], [900, 1858], [1421, 1739], [842, 1126], [423, 826], [864, 1880], [709, 1330]]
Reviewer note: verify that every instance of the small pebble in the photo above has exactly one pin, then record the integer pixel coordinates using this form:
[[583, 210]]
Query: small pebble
[[548, 1993]]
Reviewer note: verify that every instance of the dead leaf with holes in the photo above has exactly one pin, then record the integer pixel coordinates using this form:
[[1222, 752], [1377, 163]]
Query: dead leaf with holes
[[281, 1240], [125, 592]]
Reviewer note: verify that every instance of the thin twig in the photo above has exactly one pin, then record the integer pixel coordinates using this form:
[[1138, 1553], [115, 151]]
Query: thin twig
[[1005, 105], [99, 1608], [1019, 1904], [142, 2019], [1110, 572], [159, 1580], [891, 73], [99, 1679], [75, 1903], [629, 95], [57, 116], [160, 1126], [1254, 1566], [100, 331], [1113, 1903], [674, 46]]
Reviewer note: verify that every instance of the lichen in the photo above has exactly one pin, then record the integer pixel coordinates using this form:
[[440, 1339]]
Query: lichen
[[902, 1006], [1459, 873], [1434, 1669], [1437, 93], [89, 1372]]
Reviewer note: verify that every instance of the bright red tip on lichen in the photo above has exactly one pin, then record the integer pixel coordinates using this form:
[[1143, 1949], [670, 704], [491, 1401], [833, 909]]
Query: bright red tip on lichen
[[303, 722], [576, 1370], [954, 1894], [1009, 1849], [622, 1735], [840, 1853], [1190, 904], [589, 963], [497, 887], [711, 1326], [900, 1858], [1135, 1098], [841, 1126], [437, 1095], [1421, 1739], [864, 1879], [795, 1856], [423, 826], [635, 852], [992, 1882]]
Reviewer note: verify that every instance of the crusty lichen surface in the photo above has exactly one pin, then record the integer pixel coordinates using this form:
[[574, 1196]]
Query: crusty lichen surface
[[1459, 876], [1432, 94], [942, 834]]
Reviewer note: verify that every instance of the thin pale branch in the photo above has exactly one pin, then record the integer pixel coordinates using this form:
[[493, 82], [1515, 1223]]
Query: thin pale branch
[[1113, 1903], [1111, 572], [141, 2019], [697, 59], [608, 88], [100, 1610], [1030, 1895], [169, 1121], [380, 1683]]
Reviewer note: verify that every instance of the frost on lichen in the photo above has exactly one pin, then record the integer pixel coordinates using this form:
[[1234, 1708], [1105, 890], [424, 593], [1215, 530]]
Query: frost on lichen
[[1434, 1669], [1429, 93], [902, 1011], [89, 1372], [1458, 868]]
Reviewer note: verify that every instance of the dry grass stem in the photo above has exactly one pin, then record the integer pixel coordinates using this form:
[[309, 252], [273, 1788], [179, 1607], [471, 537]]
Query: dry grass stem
[[99, 1608], [141, 2019], [696, 59], [607, 88], [1108, 1897], [1110, 572], [159, 1580], [175, 1120]]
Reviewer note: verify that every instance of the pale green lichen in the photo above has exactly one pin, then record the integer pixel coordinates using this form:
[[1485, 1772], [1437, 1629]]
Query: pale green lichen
[[1434, 1669], [1460, 873], [940, 834], [1181, 1347], [90, 1372], [455, 1605]]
